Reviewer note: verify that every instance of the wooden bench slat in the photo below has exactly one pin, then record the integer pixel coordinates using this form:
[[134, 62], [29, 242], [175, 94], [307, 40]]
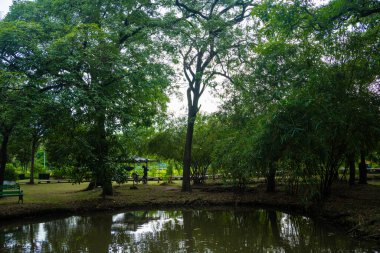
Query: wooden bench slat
[[5, 187]]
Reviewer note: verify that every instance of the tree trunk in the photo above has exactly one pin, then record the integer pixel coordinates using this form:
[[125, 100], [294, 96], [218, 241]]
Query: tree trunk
[[32, 237], [107, 186], [193, 109], [3, 156], [362, 169], [187, 156], [102, 169], [272, 217], [98, 225], [271, 178], [32, 159], [188, 230], [91, 186], [351, 165]]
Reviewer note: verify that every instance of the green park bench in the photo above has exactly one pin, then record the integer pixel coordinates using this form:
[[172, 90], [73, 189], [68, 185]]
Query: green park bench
[[12, 190]]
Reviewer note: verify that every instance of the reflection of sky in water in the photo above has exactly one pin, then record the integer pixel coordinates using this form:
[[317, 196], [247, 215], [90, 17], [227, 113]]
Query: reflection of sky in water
[[290, 230], [33, 244], [156, 223], [41, 235], [178, 231], [152, 227]]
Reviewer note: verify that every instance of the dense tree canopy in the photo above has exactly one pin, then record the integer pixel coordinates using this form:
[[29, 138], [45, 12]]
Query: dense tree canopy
[[88, 81], [97, 61], [310, 89]]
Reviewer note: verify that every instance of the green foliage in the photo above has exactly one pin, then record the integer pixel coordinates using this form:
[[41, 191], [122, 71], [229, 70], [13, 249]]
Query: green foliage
[[120, 175], [168, 144], [206, 135], [209, 40], [10, 174], [308, 96], [99, 66], [78, 175], [169, 170], [87, 80], [233, 155], [61, 172]]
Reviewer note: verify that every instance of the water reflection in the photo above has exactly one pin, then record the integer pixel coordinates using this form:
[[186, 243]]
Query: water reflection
[[179, 231]]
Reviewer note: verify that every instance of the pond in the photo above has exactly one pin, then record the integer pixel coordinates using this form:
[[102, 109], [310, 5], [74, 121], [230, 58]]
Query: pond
[[228, 230]]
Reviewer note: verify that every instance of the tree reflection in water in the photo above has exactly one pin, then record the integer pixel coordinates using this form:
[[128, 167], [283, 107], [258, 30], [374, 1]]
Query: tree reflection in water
[[243, 230]]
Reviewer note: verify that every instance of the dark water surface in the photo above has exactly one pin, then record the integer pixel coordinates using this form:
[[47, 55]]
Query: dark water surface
[[244, 230]]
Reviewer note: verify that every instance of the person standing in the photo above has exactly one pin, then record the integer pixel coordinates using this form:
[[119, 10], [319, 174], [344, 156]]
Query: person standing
[[145, 176]]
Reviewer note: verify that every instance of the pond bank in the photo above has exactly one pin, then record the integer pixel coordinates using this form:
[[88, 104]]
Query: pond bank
[[356, 209]]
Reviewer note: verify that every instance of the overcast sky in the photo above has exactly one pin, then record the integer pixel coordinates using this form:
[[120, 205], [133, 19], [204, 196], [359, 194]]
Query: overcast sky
[[4, 6]]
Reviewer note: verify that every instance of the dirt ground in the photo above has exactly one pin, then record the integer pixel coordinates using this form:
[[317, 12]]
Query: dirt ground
[[355, 209]]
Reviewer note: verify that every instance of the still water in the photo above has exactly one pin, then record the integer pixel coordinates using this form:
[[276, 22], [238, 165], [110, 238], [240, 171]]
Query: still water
[[242, 230]]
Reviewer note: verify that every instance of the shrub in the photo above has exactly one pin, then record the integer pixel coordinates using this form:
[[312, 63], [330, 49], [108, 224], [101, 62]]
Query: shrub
[[10, 174], [120, 175], [233, 157], [62, 172]]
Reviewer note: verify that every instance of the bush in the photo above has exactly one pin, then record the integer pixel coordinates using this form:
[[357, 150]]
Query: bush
[[120, 175], [10, 174], [79, 174], [169, 169], [62, 172], [76, 175], [233, 157]]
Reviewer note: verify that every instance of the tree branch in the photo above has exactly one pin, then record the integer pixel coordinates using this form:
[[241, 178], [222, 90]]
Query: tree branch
[[225, 75], [190, 10], [187, 68], [213, 7], [52, 87], [366, 13], [127, 36]]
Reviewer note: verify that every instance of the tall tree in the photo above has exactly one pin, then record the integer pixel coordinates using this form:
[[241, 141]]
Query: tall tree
[[18, 59], [15, 105], [108, 76], [212, 36], [311, 82], [342, 39]]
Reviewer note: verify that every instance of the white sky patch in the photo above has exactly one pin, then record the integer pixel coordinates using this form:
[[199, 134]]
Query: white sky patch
[[178, 104], [4, 7], [321, 2], [41, 235]]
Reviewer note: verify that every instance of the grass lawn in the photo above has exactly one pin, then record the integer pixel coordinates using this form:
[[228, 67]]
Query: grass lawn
[[50, 193], [60, 193], [374, 182]]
